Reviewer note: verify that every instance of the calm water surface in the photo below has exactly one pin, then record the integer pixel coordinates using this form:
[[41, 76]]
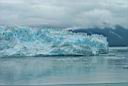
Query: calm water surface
[[68, 70]]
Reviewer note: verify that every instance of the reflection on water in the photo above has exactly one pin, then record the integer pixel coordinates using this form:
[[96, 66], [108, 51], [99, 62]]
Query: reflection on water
[[65, 70]]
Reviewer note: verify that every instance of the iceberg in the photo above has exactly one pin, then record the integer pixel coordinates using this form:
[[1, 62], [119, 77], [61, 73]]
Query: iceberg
[[34, 41]]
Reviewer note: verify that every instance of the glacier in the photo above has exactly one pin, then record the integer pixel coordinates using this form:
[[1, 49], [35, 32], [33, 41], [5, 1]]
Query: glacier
[[36, 41]]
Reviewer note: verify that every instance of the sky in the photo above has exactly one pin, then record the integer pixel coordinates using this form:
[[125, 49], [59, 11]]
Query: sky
[[64, 12]]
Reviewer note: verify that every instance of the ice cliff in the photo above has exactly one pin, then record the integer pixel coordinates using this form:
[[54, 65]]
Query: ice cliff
[[33, 41]]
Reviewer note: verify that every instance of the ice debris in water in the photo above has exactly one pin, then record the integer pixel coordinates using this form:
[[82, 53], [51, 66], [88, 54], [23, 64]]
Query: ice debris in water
[[32, 41]]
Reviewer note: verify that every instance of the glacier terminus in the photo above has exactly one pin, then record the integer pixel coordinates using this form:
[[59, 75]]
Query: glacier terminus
[[34, 41]]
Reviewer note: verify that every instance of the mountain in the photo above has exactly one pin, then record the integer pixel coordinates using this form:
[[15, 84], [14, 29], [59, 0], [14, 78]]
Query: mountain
[[117, 36]]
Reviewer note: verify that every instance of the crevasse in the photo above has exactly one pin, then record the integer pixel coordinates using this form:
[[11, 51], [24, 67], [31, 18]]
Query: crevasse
[[34, 41]]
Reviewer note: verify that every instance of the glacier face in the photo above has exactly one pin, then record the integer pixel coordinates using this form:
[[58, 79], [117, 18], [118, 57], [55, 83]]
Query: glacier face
[[34, 41]]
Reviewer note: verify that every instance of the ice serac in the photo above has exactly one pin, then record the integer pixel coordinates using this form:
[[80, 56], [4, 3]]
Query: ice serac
[[34, 41]]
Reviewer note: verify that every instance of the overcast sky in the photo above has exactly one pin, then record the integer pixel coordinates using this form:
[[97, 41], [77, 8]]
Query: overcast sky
[[64, 12]]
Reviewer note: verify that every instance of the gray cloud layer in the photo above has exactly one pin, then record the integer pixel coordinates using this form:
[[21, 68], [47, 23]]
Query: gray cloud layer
[[64, 12]]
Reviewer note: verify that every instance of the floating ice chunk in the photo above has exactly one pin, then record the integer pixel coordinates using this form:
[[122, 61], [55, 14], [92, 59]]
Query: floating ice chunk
[[28, 41]]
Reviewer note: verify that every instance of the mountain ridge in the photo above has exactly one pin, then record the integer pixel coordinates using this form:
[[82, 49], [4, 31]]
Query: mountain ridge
[[117, 36]]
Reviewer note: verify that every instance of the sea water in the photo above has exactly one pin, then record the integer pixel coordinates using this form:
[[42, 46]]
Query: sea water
[[102, 70]]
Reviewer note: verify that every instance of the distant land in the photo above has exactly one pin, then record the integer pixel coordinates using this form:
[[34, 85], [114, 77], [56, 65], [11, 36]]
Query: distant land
[[117, 37]]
